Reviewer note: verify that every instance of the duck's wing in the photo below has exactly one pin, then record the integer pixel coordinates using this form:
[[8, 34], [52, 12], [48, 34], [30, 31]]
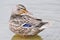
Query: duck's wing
[[22, 19]]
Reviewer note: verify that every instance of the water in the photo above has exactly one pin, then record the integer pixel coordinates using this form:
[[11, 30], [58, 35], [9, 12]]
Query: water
[[44, 9]]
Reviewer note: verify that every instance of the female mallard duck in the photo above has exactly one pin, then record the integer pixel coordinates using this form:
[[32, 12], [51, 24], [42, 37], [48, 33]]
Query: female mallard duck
[[23, 24]]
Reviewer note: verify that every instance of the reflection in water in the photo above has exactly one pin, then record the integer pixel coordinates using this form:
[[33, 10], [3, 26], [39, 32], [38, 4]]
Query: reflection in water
[[17, 37]]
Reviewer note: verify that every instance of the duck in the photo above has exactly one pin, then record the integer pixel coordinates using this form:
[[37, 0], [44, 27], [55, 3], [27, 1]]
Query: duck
[[21, 22]]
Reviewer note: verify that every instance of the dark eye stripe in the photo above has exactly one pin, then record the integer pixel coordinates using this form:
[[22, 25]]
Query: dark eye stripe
[[21, 8], [18, 9]]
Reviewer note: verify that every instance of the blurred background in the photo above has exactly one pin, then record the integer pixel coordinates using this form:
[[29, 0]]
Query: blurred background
[[44, 9]]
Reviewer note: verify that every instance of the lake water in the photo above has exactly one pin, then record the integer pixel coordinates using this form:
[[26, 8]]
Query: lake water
[[45, 9]]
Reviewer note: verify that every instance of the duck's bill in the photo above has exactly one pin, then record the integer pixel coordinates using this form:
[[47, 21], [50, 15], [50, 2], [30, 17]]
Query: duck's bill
[[25, 11]]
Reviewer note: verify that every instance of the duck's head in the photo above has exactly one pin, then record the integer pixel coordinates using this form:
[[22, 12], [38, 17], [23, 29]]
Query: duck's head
[[20, 9]]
